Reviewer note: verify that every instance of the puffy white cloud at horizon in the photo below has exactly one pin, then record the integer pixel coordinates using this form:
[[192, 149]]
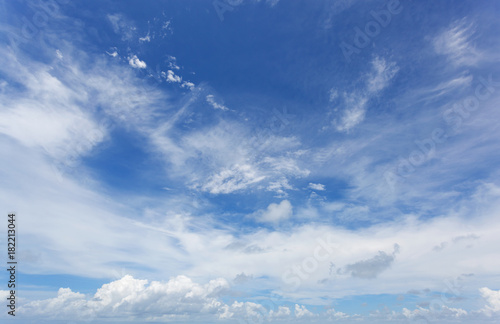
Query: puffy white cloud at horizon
[[129, 298]]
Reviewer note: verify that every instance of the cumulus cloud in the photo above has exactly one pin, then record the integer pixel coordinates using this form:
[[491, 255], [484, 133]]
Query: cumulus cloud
[[443, 313], [181, 298], [302, 311], [275, 213], [336, 315], [316, 186], [242, 278], [282, 312], [171, 77], [245, 312], [492, 298], [136, 63], [187, 84], [131, 298]]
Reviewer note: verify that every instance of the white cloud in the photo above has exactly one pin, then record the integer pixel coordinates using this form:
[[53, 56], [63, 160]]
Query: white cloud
[[353, 114], [122, 26], [455, 43], [336, 315], [194, 246], [131, 298], [233, 161], [58, 130], [180, 298], [316, 186], [146, 38], [245, 310], [334, 94], [492, 298], [275, 213], [172, 62], [171, 77], [48, 115], [4, 294], [214, 104], [355, 102], [382, 73], [302, 311], [47, 128], [232, 179], [285, 165], [282, 312], [444, 313], [113, 54], [279, 186], [187, 84], [136, 63]]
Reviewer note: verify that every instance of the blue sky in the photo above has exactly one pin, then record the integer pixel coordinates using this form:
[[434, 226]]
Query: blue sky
[[251, 161]]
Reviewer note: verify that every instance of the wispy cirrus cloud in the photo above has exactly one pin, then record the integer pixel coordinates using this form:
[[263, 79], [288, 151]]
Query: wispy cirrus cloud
[[456, 43], [122, 26], [355, 103], [173, 186]]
